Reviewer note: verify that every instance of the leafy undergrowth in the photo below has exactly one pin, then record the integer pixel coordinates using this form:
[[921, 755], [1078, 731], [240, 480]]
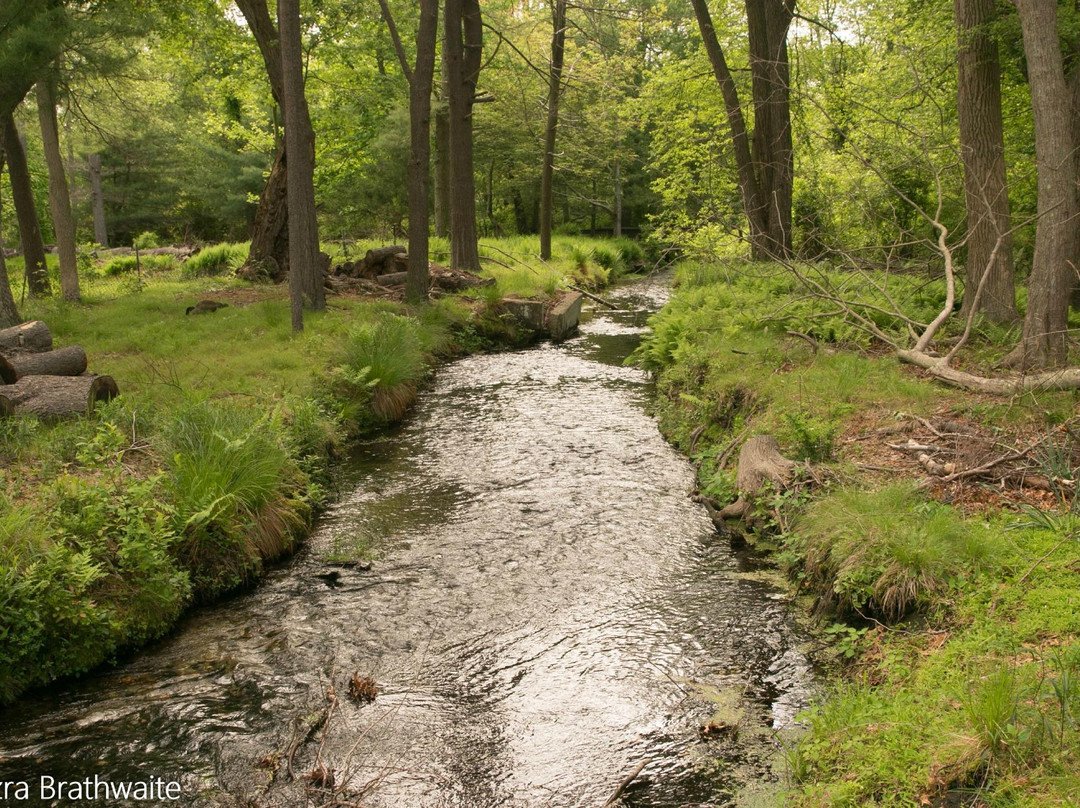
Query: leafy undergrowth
[[211, 462], [953, 632]]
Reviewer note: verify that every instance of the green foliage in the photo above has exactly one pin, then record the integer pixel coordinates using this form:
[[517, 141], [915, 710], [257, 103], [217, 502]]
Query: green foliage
[[378, 369], [225, 467], [886, 552], [127, 265], [611, 261], [812, 438], [146, 240], [112, 581], [215, 260]]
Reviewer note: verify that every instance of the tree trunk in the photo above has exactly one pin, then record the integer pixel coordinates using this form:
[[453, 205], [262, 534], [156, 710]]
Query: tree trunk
[[978, 101], [418, 283], [1044, 340], [547, 173], [59, 197], [616, 229], [52, 398], [97, 201], [32, 336], [9, 312], [442, 167], [69, 361], [300, 146], [22, 192], [268, 255], [767, 27], [760, 465], [463, 46], [1073, 79], [269, 252], [766, 167]]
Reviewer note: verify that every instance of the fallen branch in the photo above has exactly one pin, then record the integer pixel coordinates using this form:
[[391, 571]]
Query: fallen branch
[[594, 298], [805, 338], [625, 784], [1064, 379]]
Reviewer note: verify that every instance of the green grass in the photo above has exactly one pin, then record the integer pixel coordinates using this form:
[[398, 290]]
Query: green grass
[[883, 553]]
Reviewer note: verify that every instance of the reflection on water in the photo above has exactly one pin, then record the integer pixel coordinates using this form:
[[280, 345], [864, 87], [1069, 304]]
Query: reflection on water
[[549, 611]]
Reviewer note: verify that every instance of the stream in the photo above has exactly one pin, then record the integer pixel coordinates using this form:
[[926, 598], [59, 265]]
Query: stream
[[546, 611]]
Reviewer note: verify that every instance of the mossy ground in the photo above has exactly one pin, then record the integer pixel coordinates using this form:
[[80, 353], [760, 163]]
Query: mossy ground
[[951, 612]]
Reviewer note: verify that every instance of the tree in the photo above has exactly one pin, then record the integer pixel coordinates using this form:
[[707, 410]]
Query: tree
[[32, 36], [22, 193], [978, 102], [59, 198], [305, 277], [420, 81], [1057, 237], [462, 52], [558, 39], [9, 313], [269, 251], [765, 164]]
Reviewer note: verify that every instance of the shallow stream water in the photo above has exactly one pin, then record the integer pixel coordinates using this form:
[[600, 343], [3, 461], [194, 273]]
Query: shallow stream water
[[547, 611]]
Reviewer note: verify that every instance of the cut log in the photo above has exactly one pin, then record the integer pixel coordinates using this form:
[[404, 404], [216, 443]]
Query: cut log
[[393, 279], [382, 255], [34, 336], [53, 398], [760, 464], [69, 361]]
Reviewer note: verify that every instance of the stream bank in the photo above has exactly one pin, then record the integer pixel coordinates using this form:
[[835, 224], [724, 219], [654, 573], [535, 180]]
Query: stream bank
[[547, 611], [948, 607]]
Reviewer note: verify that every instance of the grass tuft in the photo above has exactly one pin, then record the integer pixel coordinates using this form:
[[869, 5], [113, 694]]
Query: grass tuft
[[885, 553]]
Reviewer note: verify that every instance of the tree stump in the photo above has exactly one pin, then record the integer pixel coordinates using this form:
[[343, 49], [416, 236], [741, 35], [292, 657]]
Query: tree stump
[[760, 464], [70, 361], [34, 336], [53, 398]]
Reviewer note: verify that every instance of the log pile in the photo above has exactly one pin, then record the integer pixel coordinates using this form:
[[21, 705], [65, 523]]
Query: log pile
[[380, 261], [383, 271], [49, 384]]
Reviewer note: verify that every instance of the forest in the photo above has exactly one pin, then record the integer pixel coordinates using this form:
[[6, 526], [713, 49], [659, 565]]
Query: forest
[[301, 303]]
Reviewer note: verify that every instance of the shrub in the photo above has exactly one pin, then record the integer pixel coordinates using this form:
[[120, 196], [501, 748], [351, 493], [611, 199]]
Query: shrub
[[631, 253], [610, 260], [146, 240], [886, 551], [91, 574], [812, 438]]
